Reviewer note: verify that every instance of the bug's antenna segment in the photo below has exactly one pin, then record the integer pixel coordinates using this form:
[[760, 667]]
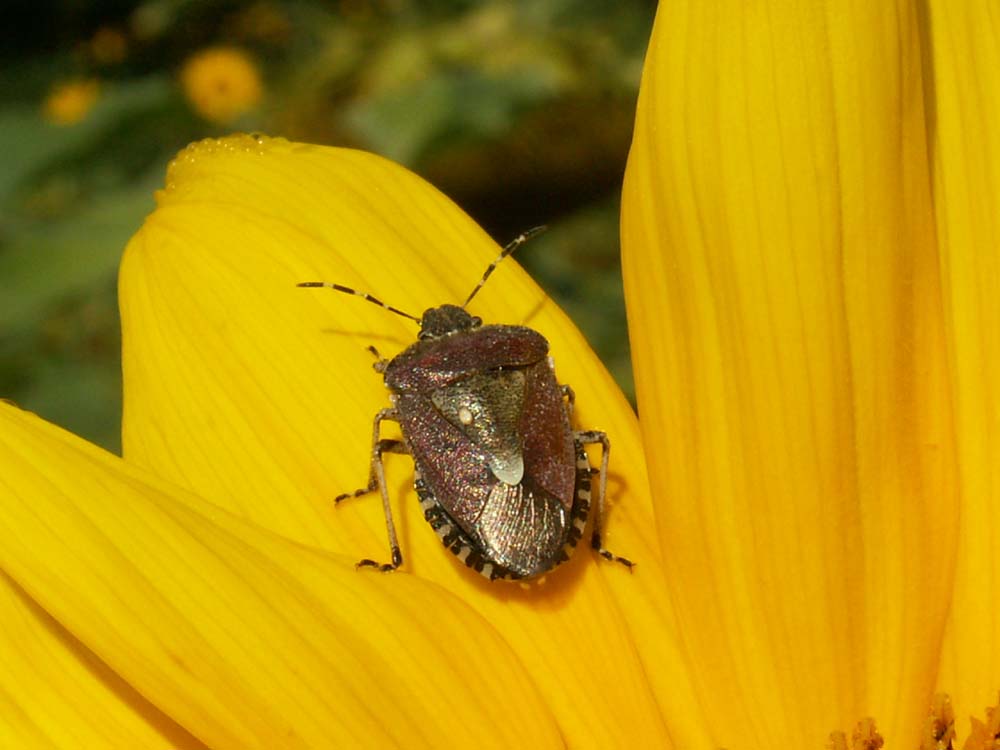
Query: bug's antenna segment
[[356, 293], [513, 245]]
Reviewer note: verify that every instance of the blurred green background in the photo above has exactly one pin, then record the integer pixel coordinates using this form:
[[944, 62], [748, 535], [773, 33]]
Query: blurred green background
[[520, 111]]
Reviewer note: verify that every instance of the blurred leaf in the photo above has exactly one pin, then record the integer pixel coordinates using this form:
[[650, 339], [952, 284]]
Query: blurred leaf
[[43, 262], [83, 396], [578, 263], [31, 143], [449, 107]]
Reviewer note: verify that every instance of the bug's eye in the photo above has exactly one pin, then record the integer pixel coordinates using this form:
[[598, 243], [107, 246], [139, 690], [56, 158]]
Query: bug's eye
[[476, 321]]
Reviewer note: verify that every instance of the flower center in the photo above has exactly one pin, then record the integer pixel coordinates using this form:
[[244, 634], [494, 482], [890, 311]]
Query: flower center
[[939, 732]]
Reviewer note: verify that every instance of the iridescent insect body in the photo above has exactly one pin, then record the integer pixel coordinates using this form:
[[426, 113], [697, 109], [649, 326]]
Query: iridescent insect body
[[501, 475]]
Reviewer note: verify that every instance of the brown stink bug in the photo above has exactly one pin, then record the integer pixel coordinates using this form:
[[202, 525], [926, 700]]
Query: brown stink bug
[[502, 477]]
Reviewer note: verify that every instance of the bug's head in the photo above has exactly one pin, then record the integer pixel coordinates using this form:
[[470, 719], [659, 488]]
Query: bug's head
[[446, 319]]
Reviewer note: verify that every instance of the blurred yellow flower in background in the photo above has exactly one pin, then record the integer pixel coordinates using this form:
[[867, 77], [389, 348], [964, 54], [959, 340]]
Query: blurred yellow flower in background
[[221, 83], [108, 46], [69, 102]]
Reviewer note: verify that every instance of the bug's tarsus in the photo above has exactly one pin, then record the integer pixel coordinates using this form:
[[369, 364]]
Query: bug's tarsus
[[356, 293], [385, 445], [357, 493], [381, 567], [595, 542], [397, 560], [370, 487], [511, 246]]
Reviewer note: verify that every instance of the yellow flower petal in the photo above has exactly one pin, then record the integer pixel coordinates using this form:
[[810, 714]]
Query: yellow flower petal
[[785, 312], [966, 142], [260, 395], [243, 638], [56, 693]]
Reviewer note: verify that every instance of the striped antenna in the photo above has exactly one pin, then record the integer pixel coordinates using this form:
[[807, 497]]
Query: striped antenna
[[513, 245], [356, 293]]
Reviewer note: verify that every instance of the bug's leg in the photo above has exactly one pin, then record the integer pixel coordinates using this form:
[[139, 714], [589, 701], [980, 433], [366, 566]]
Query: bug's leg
[[570, 397], [379, 446], [380, 362], [376, 478], [590, 437]]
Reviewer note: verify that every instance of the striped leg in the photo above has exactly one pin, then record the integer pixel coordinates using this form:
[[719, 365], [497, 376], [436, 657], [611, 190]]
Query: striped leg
[[591, 437], [376, 479]]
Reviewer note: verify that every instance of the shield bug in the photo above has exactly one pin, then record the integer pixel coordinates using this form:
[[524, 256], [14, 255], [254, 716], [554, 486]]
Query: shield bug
[[501, 475]]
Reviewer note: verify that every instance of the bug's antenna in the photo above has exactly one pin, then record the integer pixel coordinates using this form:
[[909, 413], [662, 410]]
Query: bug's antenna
[[356, 293], [513, 245]]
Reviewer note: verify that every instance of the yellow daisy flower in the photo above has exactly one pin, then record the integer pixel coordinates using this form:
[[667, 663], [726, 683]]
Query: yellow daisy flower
[[810, 234], [221, 83], [71, 101]]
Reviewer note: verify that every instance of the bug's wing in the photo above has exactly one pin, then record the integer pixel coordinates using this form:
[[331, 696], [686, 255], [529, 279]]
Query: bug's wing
[[548, 447], [486, 407], [496, 452], [465, 438], [526, 526], [452, 468], [522, 528]]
